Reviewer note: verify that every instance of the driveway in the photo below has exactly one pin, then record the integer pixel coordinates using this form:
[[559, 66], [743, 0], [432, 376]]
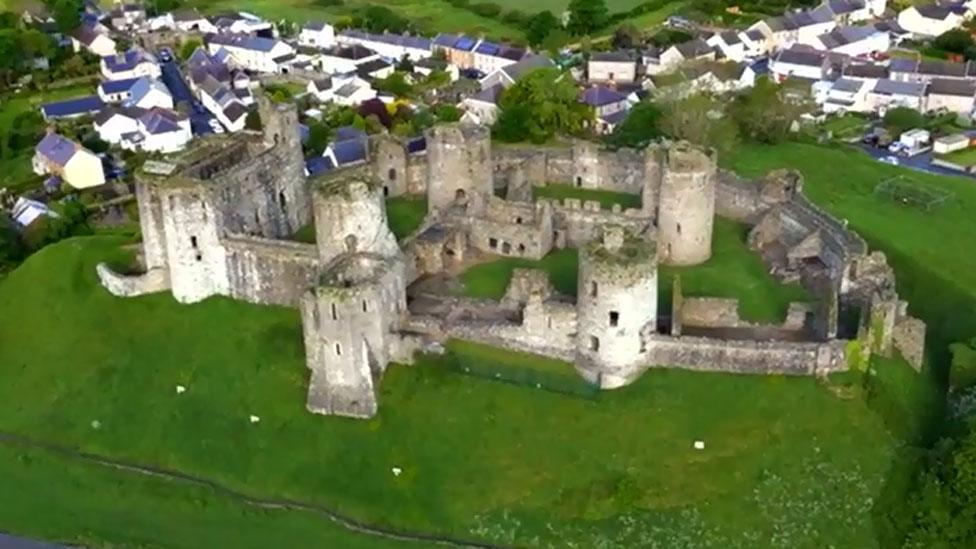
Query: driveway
[[173, 78]]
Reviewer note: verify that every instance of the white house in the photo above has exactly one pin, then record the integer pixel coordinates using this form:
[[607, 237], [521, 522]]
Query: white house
[[193, 21], [490, 57], [729, 43], [391, 46], [87, 37], [845, 95], [351, 92], [854, 41], [609, 107], [222, 102], [113, 122], [798, 61], [926, 70], [507, 76], [127, 16], [692, 50], [27, 211], [376, 69], [161, 130], [132, 63], [148, 93], [317, 34], [241, 23], [321, 89], [74, 164], [482, 107], [888, 94], [253, 53], [612, 66], [425, 67], [116, 91], [344, 59], [950, 95], [930, 20], [846, 12]]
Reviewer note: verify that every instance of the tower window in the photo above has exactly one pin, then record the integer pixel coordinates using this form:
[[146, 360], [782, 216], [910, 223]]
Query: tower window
[[335, 314], [518, 220], [593, 289], [643, 345], [614, 319], [492, 243], [594, 343], [364, 306], [391, 174], [338, 349], [579, 181], [679, 228]]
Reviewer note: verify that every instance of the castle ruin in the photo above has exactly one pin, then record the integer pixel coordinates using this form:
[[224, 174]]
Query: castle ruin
[[217, 217]]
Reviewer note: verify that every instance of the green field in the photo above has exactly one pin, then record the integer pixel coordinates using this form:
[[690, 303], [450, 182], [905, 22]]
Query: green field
[[785, 457], [607, 199], [733, 271], [405, 213]]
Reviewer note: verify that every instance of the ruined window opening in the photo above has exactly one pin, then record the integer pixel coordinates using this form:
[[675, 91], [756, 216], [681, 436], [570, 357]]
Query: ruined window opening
[[521, 249], [386, 191], [518, 220], [351, 243], [594, 343], [506, 248], [592, 289], [643, 345], [579, 181], [549, 322], [460, 195], [193, 242], [277, 138], [679, 228], [338, 349], [365, 308], [614, 319], [391, 174], [449, 252], [493, 243], [335, 315], [203, 206]]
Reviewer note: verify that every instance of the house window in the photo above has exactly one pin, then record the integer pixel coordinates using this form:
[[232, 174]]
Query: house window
[[594, 343], [493, 243], [614, 319], [592, 289]]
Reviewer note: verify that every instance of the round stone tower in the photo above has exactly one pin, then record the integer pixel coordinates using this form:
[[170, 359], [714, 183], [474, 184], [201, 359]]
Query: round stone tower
[[616, 304], [350, 217], [459, 169], [686, 206]]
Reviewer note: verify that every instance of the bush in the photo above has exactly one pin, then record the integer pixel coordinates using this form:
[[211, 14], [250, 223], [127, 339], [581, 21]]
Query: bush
[[487, 9], [902, 119], [329, 3]]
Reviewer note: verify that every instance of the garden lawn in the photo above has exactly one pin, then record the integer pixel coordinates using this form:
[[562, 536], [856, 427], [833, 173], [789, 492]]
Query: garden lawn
[[607, 199], [734, 271], [405, 213], [965, 157], [786, 462]]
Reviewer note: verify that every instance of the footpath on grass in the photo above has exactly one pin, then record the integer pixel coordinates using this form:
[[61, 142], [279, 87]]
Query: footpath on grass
[[16, 440]]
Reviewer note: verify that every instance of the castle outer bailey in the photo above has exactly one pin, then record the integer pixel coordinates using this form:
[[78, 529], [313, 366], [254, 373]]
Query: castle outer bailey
[[216, 221]]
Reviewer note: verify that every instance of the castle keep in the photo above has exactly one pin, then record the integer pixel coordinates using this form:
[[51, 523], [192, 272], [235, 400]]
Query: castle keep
[[216, 221]]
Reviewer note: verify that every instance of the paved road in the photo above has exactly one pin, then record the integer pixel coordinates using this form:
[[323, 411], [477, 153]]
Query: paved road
[[919, 163], [173, 78], [10, 542]]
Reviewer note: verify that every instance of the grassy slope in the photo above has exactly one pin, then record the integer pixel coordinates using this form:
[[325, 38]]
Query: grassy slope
[[606, 198], [784, 457], [405, 213], [42, 494], [733, 271]]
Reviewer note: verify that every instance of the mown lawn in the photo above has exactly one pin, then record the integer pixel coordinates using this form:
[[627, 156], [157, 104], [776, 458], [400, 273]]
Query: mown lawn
[[405, 213], [786, 463], [607, 199], [733, 271], [965, 157]]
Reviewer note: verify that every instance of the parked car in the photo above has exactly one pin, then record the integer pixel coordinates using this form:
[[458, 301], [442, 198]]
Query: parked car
[[165, 55], [889, 160], [215, 126]]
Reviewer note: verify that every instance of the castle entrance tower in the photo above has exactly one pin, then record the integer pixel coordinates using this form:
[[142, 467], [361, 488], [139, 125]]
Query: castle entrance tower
[[459, 167], [686, 207], [616, 304]]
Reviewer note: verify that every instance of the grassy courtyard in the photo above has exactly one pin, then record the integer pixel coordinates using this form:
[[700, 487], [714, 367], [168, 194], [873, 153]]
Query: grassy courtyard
[[607, 199], [787, 462], [733, 271]]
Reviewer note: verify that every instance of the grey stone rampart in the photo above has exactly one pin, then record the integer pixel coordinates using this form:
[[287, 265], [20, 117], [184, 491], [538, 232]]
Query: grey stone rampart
[[507, 335], [749, 357], [151, 224], [270, 272], [153, 280]]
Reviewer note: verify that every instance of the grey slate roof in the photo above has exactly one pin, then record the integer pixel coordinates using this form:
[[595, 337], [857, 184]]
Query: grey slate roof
[[945, 86], [56, 149], [530, 63], [619, 56], [896, 87]]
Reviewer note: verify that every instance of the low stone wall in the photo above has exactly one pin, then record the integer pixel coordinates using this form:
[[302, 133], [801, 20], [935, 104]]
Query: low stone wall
[[275, 272], [720, 312], [154, 280], [509, 336], [748, 357], [737, 198]]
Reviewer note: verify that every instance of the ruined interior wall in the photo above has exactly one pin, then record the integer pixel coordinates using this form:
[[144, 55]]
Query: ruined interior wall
[[750, 357], [737, 199], [516, 229], [459, 163], [270, 272], [388, 160], [580, 222], [909, 339], [153, 280], [151, 225], [721, 312]]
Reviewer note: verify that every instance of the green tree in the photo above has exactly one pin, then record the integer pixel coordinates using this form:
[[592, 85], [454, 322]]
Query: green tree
[[11, 246], [901, 119], [541, 105], [954, 41], [319, 134], [642, 126], [699, 119], [962, 372], [67, 13], [586, 16], [627, 36], [188, 47], [396, 84], [379, 18], [764, 114], [538, 27], [447, 113]]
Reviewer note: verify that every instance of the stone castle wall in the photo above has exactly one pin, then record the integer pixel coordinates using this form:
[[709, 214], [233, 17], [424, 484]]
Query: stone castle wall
[[266, 271], [753, 357]]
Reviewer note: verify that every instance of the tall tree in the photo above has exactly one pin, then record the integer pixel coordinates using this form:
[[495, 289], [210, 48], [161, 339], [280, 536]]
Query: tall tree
[[67, 13], [586, 16], [541, 105], [699, 119], [764, 114], [642, 125], [538, 27]]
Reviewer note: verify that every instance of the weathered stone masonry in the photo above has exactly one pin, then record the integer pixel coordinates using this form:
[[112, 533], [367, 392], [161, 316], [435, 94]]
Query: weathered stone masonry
[[214, 221]]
